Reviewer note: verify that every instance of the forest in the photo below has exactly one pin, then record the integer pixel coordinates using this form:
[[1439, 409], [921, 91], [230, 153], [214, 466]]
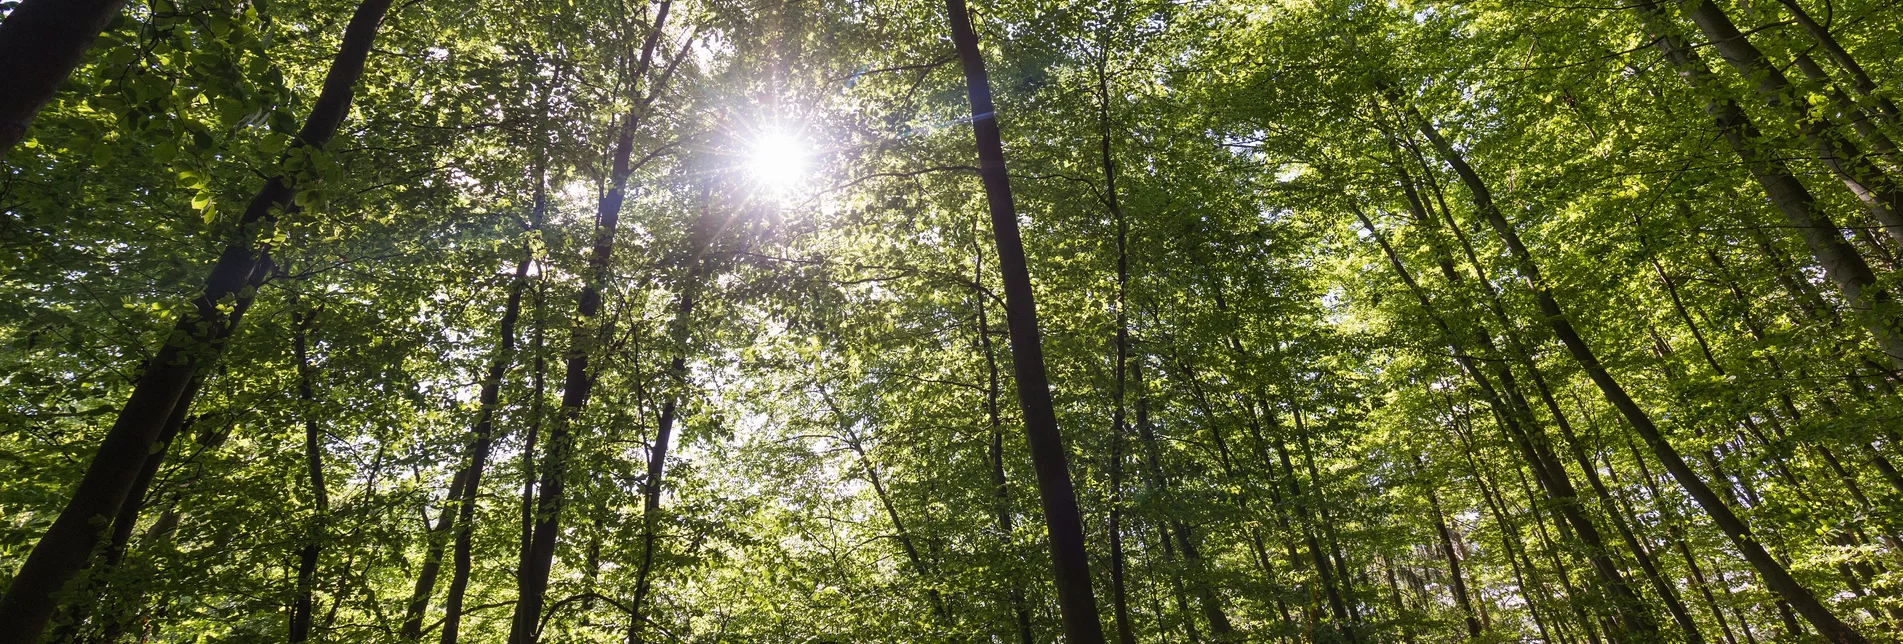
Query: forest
[[1005, 321]]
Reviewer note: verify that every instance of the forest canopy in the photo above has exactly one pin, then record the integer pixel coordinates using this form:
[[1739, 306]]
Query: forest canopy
[[700, 321]]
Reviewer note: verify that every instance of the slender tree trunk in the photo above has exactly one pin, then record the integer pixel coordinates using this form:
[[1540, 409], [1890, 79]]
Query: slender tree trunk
[[1517, 421], [1774, 573], [577, 383], [995, 453], [41, 42], [1872, 304], [1860, 80], [1454, 574], [304, 602], [1063, 520], [437, 541], [197, 339], [1119, 594], [482, 436]]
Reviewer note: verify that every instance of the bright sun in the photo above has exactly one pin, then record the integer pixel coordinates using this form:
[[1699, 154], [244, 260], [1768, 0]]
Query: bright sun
[[776, 160]]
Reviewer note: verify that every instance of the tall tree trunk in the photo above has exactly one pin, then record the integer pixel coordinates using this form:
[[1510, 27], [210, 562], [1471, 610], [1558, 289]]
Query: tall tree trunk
[[41, 42], [1523, 430], [1001, 492], [1119, 594], [1776, 577], [1454, 575], [437, 540], [539, 558], [1872, 304], [1860, 80], [195, 342], [303, 603], [1878, 193], [482, 436], [673, 388], [1063, 521]]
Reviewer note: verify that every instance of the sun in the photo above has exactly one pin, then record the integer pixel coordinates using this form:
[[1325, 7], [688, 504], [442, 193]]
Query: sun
[[777, 160]]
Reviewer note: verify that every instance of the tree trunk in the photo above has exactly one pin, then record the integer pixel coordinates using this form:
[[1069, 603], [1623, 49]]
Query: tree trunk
[[41, 42], [1860, 80], [1063, 520], [1878, 193], [438, 540], [539, 558], [482, 436], [995, 453], [304, 602], [1872, 304], [196, 340], [1774, 574]]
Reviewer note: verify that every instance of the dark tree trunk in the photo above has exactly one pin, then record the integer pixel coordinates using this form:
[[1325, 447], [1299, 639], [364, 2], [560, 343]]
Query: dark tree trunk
[[1454, 574], [1119, 595], [539, 557], [1001, 491], [482, 436], [197, 339], [1063, 520], [41, 42], [437, 541], [303, 603]]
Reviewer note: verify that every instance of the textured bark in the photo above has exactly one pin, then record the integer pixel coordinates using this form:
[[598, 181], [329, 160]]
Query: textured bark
[[1879, 194], [1063, 521], [194, 342], [41, 43]]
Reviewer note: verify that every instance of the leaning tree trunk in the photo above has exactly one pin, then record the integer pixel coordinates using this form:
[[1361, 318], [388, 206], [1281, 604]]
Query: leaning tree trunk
[[41, 42], [1860, 80], [1870, 302], [1879, 193], [197, 339], [482, 436], [1774, 574], [1062, 519], [539, 557]]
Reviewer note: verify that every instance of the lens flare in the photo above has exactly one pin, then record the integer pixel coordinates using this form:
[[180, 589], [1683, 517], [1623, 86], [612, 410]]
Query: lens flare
[[777, 160]]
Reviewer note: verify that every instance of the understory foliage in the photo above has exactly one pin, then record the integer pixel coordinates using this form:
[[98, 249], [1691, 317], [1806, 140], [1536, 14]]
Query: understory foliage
[[1334, 300]]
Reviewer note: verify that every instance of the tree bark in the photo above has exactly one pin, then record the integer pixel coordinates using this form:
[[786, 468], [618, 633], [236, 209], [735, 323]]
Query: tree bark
[[1063, 521], [482, 436], [197, 339], [1001, 491], [304, 602], [41, 42], [1860, 79], [1878, 193]]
